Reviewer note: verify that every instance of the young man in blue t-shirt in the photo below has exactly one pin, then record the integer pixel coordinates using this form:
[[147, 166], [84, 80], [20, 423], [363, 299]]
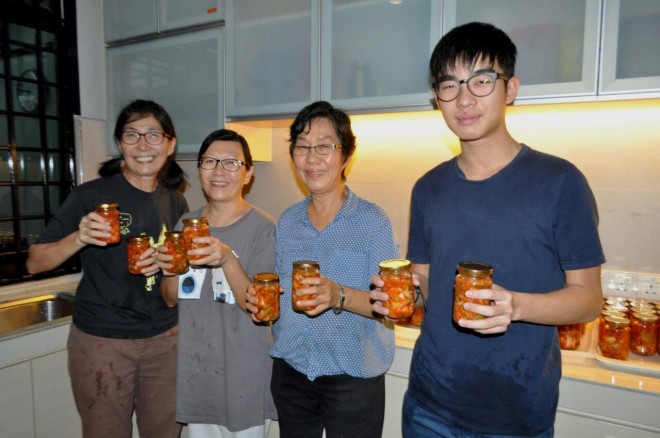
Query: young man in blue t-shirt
[[533, 218]]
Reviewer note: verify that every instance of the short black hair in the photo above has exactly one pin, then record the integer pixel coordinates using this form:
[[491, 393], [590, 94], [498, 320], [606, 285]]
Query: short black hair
[[226, 135], [339, 119], [469, 43]]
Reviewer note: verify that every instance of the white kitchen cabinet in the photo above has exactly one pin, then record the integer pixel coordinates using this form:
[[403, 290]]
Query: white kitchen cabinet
[[176, 14], [129, 18], [374, 54], [16, 404], [630, 49], [125, 19], [557, 41], [183, 73], [272, 56], [55, 414]]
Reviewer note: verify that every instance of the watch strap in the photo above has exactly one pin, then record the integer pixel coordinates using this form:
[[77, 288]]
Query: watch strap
[[342, 298]]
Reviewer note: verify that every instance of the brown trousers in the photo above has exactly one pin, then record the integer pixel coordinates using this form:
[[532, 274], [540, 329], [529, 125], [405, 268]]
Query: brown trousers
[[112, 378]]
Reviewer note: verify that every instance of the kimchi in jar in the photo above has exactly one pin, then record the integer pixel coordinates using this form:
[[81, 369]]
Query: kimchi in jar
[[643, 333], [397, 283], [614, 337], [195, 227], [267, 287], [176, 247], [569, 336], [136, 246], [303, 269], [111, 213], [471, 275]]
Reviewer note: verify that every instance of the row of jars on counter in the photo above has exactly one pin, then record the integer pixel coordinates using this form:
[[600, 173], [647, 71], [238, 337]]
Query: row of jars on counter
[[624, 326]]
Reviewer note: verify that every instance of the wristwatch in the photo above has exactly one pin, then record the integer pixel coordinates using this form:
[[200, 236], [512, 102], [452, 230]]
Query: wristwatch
[[342, 298]]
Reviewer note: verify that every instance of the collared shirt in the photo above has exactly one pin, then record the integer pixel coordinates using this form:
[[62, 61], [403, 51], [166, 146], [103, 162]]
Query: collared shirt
[[349, 250]]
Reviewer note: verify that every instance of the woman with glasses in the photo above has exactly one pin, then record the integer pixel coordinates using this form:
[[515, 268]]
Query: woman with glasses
[[224, 368], [330, 361], [122, 344]]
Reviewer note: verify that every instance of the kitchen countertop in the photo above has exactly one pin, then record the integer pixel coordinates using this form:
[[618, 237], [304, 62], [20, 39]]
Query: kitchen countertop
[[577, 366]]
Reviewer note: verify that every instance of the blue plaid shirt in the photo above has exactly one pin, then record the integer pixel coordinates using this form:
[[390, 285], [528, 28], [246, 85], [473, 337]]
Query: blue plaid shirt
[[349, 250]]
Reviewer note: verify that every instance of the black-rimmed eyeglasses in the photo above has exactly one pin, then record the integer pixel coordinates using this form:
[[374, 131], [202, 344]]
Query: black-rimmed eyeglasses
[[321, 149], [153, 138], [480, 85], [229, 164]]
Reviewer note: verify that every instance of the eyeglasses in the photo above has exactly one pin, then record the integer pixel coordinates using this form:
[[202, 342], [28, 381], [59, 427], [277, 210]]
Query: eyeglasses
[[229, 164], [152, 137], [480, 85], [321, 149]]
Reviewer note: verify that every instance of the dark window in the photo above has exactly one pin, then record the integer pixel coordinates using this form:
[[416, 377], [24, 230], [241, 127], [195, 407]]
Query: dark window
[[38, 97]]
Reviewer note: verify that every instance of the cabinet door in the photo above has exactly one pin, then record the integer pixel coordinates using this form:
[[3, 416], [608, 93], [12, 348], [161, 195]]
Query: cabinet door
[[376, 54], [272, 56], [631, 49], [129, 18], [16, 403], [183, 73], [557, 41], [176, 13], [55, 413]]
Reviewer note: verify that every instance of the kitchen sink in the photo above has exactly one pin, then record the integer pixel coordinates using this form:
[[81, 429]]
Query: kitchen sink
[[24, 313]]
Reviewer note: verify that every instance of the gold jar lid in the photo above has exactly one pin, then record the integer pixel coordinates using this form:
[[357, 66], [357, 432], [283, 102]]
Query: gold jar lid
[[106, 205], [174, 235], [613, 312], [475, 268], [266, 277], [394, 264], [138, 239], [645, 316], [617, 320], [195, 221], [306, 264]]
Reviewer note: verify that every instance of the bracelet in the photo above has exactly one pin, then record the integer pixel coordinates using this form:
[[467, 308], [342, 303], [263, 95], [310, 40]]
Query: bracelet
[[342, 298]]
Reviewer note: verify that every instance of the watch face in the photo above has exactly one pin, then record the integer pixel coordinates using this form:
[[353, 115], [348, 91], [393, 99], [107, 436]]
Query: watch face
[[28, 93]]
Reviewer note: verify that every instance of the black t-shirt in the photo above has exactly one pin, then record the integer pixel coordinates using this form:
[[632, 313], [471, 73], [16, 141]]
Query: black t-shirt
[[111, 302]]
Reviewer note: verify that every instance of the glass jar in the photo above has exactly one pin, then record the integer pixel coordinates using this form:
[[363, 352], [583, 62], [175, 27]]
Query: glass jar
[[397, 278], [109, 211], [643, 333], [471, 275], [136, 246], [195, 227], [176, 247], [267, 287], [614, 337], [609, 312], [569, 336], [303, 269]]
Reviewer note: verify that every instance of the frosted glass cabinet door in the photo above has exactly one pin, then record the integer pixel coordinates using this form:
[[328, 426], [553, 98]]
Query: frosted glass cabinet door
[[177, 13], [183, 73], [375, 53], [272, 56], [631, 47], [557, 41], [129, 18]]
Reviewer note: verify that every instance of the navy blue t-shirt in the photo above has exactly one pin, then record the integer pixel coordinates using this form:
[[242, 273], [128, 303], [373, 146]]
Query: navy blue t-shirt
[[111, 302], [532, 221]]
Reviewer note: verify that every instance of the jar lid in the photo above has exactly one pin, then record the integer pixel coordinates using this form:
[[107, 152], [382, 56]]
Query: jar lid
[[138, 238], [618, 320], [174, 234], [306, 264], [195, 221], [475, 268], [646, 316], [105, 205], [394, 264], [266, 277], [613, 312]]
